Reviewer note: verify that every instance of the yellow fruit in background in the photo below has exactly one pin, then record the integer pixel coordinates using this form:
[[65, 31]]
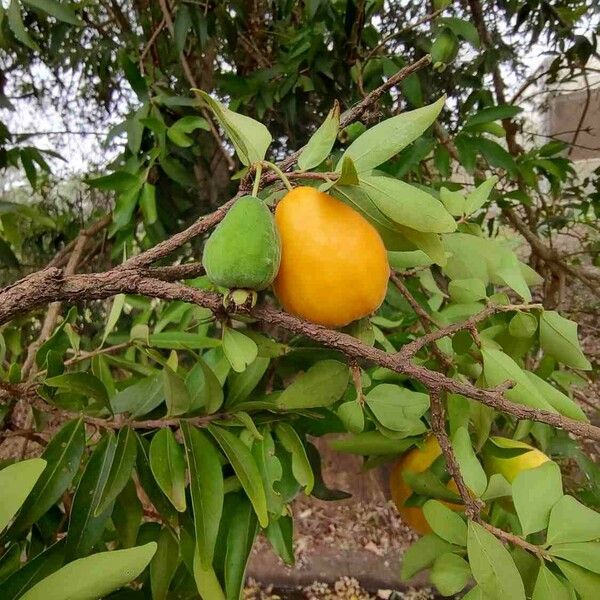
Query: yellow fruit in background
[[511, 467], [334, 267], [416, 460]]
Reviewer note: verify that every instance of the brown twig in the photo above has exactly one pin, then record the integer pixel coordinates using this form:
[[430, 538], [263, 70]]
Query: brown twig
[[473, 506], [413, 347]]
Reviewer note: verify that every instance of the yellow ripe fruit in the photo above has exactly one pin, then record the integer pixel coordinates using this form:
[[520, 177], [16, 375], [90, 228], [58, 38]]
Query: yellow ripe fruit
[[511, 467], [416, 460], [334, 267]]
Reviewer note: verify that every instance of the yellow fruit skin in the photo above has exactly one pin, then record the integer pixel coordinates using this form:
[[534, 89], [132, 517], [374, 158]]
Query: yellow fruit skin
[[416, 460], [334, 267], [511, 467]]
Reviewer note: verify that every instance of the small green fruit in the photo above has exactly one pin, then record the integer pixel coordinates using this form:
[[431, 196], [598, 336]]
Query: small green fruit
[[244, 250]]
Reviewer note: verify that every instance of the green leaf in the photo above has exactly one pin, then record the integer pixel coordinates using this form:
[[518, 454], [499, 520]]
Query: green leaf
[[426, 483], [127, 515], [119, 181], [176, 393], [492, 566], [241, 385], [397, 408], [249, 137], [584, 554], [470, 467], [321, 385], [499, 367], [445, 523], [164, 564], [562, 403], [16, 482], [571, 521], [558, 338], [120, 470], [463, 28], [585, 582], [455, 202], [245, 468], [408, 205], [270, 470], [57, 9], [205, 388], [148, 482], [148, 203], [497, 487], [352, 416], [62, 455], [95, 576], [348, 174], [371, 443], [82, 383], [429, 243], [535, 492], [479, 196], [493, 113], [239, 349], [495, 154], [113, 316], [281, 535], [182, 340], [241, 534], [177, 133], [168, 467], [523, 325], [467, 290], [206, 581], [422, 554], [140, 398], [34, 570], [85, 527], [15, 22], [450, 573], [301, 468], [379, 143], [321, 142], [510, 273], [549, 586], [206, 488]]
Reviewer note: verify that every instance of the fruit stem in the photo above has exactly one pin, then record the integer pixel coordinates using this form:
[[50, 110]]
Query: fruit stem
[[257, 176], [280, 174]]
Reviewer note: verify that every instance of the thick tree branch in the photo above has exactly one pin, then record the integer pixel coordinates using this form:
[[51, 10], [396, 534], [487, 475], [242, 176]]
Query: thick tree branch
[[51, 285]]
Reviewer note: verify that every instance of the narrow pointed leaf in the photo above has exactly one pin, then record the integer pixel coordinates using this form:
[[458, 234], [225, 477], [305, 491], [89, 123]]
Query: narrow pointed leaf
[[120, 470], [206, 489], [245, 468], [168, 467], [62, 456]]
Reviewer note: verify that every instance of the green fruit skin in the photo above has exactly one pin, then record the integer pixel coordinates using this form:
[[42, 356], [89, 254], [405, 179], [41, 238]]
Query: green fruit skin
[[244, 250]]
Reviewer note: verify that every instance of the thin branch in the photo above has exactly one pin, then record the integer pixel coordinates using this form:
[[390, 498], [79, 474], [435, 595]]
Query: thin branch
[[473, 506], [413, 347]]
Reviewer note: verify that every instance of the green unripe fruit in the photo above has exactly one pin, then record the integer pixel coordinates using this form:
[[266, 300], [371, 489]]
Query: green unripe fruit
[[244, 250]]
